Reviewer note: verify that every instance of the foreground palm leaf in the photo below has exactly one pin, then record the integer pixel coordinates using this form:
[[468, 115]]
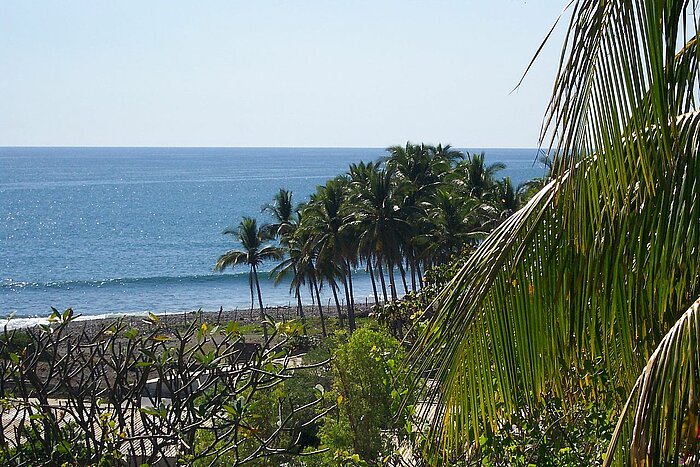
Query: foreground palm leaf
[[599, 264], [667, 399]]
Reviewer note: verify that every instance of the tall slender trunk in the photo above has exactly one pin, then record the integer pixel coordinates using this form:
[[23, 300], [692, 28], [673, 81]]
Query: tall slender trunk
[[392, 282], [262, 310], [351, 308], [320, 307], [252, 293], [370, 269], [347, 301], [412, 260], [403, 276], [334, 287], [381, 278], [301, 310], [420, 275]]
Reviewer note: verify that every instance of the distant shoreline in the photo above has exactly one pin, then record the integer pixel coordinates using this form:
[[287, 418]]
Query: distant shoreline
[[92, 323]]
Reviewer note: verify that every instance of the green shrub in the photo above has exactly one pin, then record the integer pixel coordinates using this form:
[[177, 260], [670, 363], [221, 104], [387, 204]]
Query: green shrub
[[365, 369]]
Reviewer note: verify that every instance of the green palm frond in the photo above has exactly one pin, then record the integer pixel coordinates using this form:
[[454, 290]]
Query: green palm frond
[[230, 259], [269, 252], [600, 263], [665, 400], [284, 214]]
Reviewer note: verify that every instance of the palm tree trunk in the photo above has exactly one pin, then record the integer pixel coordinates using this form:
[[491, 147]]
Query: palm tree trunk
[[370, 269], [301, 310], [252, 294], [380, 270], [347, 297], [351, 303], [392, 282], [403, 276], [262, 310], [420, 275], [320, 307], [297, 293], [334, 288], [412, 260]]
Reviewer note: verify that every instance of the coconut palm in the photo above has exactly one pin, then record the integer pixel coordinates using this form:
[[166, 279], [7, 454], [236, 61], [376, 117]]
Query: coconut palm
[[253, 253], [321, 226], [455, 221], [420, 167], [602, 263], [359, 176], [284, 214], [378, 222], [507, 198], [297, 269], [418, 171], [475, 177]]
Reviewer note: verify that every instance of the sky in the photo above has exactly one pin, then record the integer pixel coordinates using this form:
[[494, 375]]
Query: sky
[[295, 73]]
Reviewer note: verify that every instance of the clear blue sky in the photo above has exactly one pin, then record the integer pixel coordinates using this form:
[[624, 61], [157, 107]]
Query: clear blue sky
[[274, 73]]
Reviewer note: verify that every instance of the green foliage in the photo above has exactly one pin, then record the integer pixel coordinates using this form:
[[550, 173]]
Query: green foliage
[[68, 447], [365, 378], [406, 318], [547, 435], [603, 260], [202, 394], [14, 342]]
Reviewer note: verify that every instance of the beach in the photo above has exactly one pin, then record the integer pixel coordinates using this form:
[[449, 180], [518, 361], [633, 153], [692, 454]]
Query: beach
[[91, 325]]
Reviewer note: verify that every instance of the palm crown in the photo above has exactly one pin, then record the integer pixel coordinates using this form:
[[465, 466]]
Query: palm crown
[[253, 253]]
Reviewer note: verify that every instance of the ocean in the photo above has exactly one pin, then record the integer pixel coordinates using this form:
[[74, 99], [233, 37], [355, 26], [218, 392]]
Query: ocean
[[111, 231]]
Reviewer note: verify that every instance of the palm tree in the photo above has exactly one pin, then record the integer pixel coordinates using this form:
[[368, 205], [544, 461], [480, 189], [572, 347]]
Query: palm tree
[[421, 167], [285, 216], [602, 263], [507, 198], [296, 266], [455, 221], [359, 176], [418, 171], [475, 177], [253, 253], [378, 221], [321, 226]]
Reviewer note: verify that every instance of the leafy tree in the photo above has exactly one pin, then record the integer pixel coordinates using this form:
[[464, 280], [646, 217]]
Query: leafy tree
[[365, 382], [602, 262]]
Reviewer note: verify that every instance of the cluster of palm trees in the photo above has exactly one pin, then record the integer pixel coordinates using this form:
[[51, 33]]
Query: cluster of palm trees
[[396, 217]]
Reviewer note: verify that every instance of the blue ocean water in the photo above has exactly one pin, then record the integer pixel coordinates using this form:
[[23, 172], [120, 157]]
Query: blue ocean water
[[128, 230]]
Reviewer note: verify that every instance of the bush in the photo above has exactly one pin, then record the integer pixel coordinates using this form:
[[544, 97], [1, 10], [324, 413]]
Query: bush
[[160, 394], [365, 375]]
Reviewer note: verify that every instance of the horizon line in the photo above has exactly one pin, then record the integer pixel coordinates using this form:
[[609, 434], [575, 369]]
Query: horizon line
[[244, 147]]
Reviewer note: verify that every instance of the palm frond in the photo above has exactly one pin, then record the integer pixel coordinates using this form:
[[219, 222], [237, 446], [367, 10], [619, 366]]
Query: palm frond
[[598, 263], [666, 401], [230, 259]]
